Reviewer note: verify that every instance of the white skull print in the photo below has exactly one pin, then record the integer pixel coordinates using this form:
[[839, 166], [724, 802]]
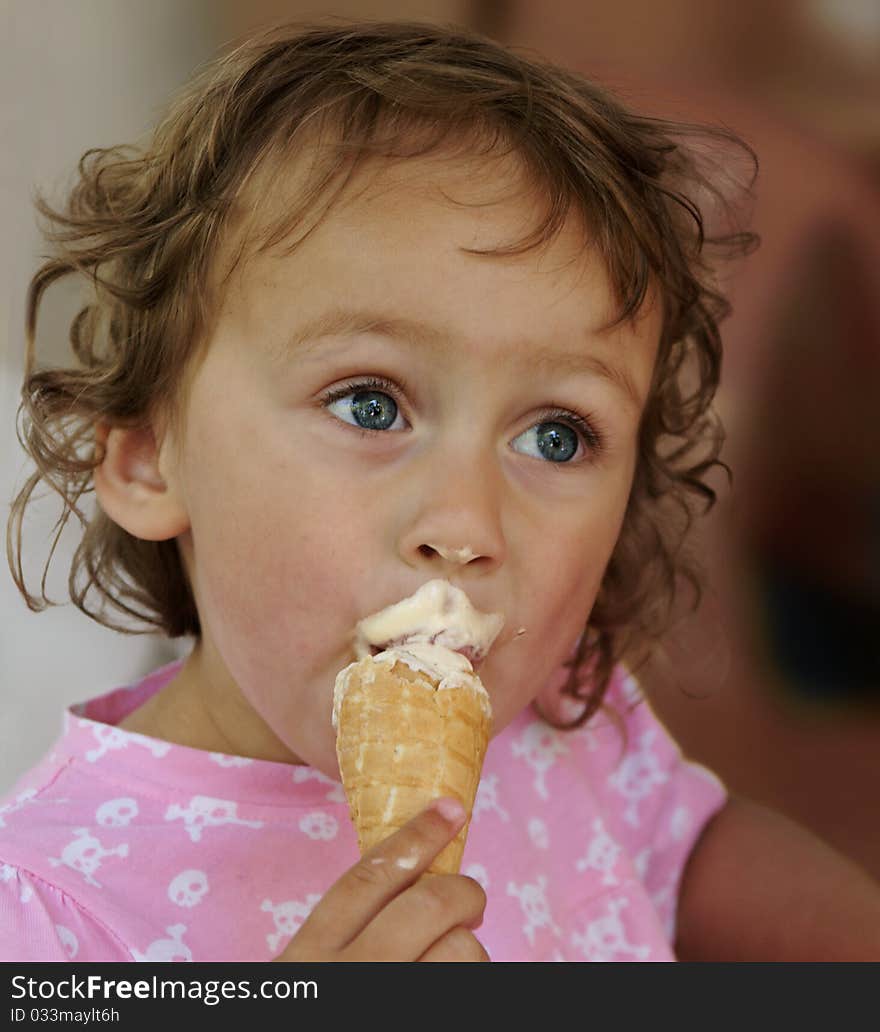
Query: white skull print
[[479, 874], [680, 823], [10, 873], [538, 833], [302, 774], [641, 862], [487, 799], [21, 800], [319, 825], [206, 812], [188, 888], [68, 940], [637, 776], [664, 901], [536, 910], [605, 939], [288, 918], [110, 738], [602, 854], [117, 813], [539, 745], [85, 854], [163, 951], [224, 760]]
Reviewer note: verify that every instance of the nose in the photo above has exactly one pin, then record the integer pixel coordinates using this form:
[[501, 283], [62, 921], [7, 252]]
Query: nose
[[453, 555], [455, 523]]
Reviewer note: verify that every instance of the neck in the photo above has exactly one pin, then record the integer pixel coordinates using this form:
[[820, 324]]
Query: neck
[[203, 708]]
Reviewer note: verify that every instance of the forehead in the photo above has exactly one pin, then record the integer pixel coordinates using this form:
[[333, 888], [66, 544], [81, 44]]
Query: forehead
[[397, 236], [456, 201], [289, 199]]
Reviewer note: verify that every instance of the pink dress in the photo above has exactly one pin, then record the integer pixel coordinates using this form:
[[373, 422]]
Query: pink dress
[[122, 847]]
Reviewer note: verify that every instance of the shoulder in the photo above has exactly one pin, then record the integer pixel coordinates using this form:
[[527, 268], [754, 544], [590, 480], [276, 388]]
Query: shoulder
[[40, 922], [41, 918]]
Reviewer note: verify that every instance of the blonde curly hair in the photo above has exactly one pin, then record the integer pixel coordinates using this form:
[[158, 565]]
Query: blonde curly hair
[[144, 228]]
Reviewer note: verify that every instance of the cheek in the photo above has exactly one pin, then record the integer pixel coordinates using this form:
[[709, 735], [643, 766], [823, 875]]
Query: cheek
[[270, 544], [564, 577], [568, 565], [271, 569]]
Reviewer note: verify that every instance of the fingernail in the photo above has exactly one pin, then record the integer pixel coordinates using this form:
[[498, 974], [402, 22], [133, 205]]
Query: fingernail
[[450, 810]]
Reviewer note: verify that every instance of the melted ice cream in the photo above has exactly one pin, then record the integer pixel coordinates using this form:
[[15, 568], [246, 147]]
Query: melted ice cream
[[434, 631], [437, 614]]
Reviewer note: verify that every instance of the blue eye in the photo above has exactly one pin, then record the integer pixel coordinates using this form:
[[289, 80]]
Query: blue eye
[[555, 442], [371, 406], [364, 406]]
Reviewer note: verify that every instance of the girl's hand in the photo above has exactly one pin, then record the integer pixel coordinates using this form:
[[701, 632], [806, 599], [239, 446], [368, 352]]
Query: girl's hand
[[381, 909]]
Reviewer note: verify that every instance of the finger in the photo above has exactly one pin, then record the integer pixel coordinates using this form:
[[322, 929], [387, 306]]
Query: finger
[[458, 945], [360, 894], [420, 916]]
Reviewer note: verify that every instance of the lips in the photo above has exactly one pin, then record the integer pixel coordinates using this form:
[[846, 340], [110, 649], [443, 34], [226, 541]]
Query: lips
[[474, 657], [470, 652]]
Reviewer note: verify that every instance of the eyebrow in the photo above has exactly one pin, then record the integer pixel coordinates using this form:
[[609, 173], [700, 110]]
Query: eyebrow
[[344, 321]]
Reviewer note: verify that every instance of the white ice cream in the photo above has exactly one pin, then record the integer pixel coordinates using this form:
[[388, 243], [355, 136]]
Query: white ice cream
[[437, 614], [425, 631]]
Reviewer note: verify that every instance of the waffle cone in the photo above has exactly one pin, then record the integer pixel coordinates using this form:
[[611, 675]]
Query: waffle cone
[[402, 742]]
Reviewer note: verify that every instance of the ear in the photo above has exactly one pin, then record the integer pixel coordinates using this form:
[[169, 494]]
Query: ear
[[131, 488]]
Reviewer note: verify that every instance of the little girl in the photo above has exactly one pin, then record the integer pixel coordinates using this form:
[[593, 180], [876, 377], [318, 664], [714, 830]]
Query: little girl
[[380, 304]]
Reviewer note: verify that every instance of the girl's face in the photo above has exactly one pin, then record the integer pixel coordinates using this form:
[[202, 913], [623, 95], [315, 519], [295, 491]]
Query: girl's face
[[450, 402]]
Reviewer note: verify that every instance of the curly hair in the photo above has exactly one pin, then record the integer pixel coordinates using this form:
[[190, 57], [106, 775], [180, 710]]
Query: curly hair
[[144, 227]]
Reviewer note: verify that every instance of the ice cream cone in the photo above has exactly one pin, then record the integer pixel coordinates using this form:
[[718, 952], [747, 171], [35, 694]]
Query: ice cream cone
[[406, 736]]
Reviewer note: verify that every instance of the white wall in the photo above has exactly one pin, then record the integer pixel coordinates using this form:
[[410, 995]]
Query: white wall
[[73, 74]]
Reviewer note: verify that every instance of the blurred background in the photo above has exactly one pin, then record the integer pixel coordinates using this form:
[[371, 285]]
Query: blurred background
[[775, 683]]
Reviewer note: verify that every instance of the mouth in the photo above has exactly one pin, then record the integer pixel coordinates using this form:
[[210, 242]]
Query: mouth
[[470, 653]]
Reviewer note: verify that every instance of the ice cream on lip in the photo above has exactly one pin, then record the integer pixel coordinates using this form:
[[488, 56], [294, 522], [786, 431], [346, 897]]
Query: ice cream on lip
[[436, 630], [437, 614]]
